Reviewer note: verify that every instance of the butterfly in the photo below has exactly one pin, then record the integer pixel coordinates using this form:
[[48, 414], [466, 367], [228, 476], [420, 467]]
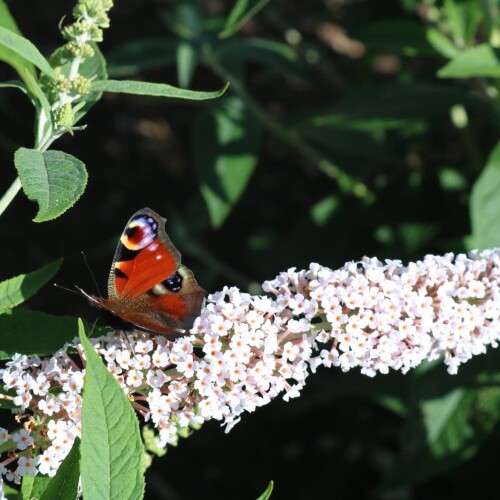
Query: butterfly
[[148, 287]]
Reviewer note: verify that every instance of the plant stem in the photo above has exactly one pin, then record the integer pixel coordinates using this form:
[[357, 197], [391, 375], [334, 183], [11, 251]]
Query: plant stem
[[9, 195], [289, 137]]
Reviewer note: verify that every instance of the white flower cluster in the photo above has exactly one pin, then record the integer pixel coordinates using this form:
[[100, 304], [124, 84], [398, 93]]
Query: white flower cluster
[[245, 350]]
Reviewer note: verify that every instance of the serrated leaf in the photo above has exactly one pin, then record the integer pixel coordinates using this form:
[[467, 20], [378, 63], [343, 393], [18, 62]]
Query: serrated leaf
[[15, 291], [154, 89], [34, 333], [266, 494], [54, 179], [485, 204], [26, 50], [64, 485], [226, 141], [111, 447], [20, 64], [241, 13], [480, 61]]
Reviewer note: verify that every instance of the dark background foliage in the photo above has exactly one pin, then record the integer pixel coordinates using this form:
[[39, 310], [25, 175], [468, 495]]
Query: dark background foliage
[[347, 144]]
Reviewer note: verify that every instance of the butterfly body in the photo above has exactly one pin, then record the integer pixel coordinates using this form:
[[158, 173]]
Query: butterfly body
[[148, 287]]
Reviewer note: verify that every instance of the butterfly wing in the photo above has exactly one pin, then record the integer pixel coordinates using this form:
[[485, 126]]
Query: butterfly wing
[[148, 286]]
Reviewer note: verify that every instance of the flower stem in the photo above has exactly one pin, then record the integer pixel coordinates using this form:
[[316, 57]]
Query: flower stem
[[9, 195]]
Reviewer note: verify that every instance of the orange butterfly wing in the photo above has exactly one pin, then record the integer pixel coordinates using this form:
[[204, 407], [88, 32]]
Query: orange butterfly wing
[[148, 286]]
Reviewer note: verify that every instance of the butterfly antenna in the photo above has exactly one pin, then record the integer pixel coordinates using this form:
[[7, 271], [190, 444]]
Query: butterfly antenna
[[65, 288], [91, 273], [127, 338]]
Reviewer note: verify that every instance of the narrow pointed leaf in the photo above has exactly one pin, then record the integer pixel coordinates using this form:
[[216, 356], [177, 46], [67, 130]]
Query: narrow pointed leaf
[[111, 448], [55, 180], [33, 332], [241, 13], [25, 49], [154, 89], [33, 487], [226, 142], [19, 63], [64, 485], [266, 494], [15, 291], [485, 204]]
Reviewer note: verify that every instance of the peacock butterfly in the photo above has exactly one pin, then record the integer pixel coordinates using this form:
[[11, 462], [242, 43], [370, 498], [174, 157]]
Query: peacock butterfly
[[148, 287]]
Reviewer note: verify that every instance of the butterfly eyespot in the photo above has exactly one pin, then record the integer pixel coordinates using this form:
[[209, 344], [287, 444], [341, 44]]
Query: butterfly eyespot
[[173, 283]]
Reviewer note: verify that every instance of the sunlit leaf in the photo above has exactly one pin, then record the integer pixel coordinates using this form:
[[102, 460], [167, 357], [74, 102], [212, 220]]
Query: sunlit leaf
[[15, 291], [111, 447], [480, 61], [154, 89], [25, 50]]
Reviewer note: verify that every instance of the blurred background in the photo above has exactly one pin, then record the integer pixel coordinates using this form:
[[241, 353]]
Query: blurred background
[[351, 128]]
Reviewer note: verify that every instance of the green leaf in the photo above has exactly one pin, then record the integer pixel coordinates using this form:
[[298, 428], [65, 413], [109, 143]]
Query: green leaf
[[64, 485], [485, 204], [187, 58], [441, 43], [241, 13], [26, 50], [438, 418], [154, 89], [10, 492], [111, 448], [55, 180], [266, 494], [389, 106], [15, 291], [400, 36], [33, 487], [141, 55], [21, 86], [226, 141], [463, 19], [274, 55], [10, 444], [20, 64], [34, 333], [444, 437], [480, 61]]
